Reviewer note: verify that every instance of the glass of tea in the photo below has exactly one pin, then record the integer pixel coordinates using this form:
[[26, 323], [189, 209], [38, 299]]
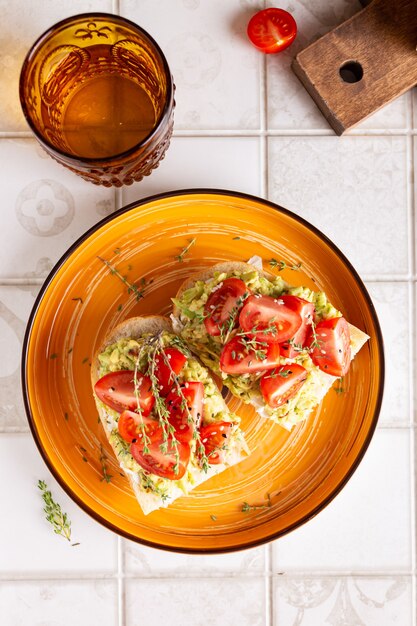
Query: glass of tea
[[98, 94]]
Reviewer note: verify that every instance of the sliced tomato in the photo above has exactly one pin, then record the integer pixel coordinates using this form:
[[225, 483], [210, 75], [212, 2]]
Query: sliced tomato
[[269, 319], [132, 426], [214, 438], [164, 372], [272, 30], [242, 355], [164, 464], [305, 310], [282, 383], [223, 305], [117, 390], [185, 419], [332, 354]]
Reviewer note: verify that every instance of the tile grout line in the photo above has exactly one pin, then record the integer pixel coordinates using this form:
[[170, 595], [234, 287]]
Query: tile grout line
[[413, 344], [120, 583]]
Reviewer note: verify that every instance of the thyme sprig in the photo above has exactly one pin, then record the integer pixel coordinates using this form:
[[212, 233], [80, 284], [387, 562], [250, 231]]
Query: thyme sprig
[[251, 344], [200, 449], [227, 326], [145, 438], [180, 257], [103, 460], [247, 508], [131, 288], [282, 265], [54, 514]]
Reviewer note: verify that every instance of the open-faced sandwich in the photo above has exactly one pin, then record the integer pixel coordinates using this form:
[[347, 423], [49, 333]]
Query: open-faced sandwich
[[277, 347], [162, 412]]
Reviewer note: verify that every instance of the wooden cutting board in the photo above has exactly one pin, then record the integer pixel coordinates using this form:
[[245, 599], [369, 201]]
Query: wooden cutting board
[[363, 64]]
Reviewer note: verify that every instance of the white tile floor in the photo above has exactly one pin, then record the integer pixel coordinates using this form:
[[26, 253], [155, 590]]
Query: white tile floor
[[242, 122]]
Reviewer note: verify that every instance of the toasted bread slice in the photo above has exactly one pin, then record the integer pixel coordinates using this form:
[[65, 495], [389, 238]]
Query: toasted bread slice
[[154, 492], [208, 349]]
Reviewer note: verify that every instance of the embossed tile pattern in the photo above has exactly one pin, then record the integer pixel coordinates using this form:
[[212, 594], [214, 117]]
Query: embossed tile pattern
[[344, 601], [15, 305], [44, 209], [354, 189], [142, 561], [52, 603], [196, 602], [215, 69]]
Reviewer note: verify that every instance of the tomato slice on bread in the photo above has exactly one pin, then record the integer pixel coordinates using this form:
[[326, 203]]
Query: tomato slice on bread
[[331, 346], [282, 383], [117, 391], [133, 426], [269, 319], [171, 464], [223, 305], [164, 372], [185, 419], [214, 438], [242, 355], [305, 310]]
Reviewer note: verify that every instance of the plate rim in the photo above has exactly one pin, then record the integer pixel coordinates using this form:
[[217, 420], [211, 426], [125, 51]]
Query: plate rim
[[28, 332]]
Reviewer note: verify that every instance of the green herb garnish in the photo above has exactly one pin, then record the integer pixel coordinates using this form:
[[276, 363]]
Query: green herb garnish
[[103, 460], [138, 293], [53, 513], [282, 265], [180, 257]]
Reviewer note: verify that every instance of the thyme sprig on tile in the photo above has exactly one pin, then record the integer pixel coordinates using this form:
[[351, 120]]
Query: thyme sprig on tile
[[59, 520]]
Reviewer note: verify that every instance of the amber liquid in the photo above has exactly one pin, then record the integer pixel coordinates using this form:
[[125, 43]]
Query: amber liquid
[[106, 116]]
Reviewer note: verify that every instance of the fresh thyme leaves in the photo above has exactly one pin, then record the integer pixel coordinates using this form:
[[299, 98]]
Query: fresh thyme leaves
[[247, 508], [85, 359], [77, 300], [340, 389], [70, 350], [214, 518], [178, 343], [103, 460], [227, 326], [141, 425], [131, 288], [180, 257], [54, 356], [316, 341], [253, 345], [236, 238], [285, 373], [53, 513], [117, 251], [66, 417], [120, 307], [282, 265]]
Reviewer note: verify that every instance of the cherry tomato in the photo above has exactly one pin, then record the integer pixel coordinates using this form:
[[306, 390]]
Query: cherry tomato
[[269, 319], [214, 437], [305, 310], [117, 390], [242, 355], [332, 354], [222, 303], [272, 30], [185, 422], [282, 383], [166, 465], [132, 426], [163, 372]]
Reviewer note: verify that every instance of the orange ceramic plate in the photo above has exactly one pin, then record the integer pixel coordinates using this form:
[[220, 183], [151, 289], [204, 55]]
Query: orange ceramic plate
[[81, 301]]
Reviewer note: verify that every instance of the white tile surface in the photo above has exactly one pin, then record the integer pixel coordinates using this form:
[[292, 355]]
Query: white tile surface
[[44, 208], [196, 602], [222, 163], [15, 305], [389, 299], [142, 561], [215, 68], [367, 526], [52, 603], [354, 189], [32, 548], [353, 601], [22, 23]]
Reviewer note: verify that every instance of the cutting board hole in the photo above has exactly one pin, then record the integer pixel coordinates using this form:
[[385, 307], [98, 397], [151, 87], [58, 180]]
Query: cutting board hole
[[351, 72]]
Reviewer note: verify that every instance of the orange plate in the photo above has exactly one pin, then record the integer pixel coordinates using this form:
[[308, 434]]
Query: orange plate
[[81, 301]]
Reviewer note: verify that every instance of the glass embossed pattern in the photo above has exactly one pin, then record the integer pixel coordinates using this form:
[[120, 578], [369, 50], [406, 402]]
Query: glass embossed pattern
[[98, 94]]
